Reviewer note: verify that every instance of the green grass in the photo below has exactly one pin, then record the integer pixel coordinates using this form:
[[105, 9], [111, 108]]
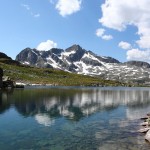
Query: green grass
[[27, 74]]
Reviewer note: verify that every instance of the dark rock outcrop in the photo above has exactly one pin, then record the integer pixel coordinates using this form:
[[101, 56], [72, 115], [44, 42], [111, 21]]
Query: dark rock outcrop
[[28, 55], [92, 62], [4, 56], [8, 60], [1, 72], [64, 59], [1, 75], [138, 64], [78, 53]]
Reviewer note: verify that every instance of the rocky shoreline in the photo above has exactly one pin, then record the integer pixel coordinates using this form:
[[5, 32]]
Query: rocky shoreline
[[145, 127]]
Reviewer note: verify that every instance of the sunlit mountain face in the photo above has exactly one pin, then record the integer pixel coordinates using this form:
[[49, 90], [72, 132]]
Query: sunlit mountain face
[[78, 60]]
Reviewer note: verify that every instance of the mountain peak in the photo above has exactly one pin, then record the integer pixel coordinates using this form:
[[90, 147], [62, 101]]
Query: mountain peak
[[74, 47]]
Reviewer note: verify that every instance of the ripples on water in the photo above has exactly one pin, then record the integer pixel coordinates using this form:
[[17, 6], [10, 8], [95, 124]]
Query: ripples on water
[[73, 118]]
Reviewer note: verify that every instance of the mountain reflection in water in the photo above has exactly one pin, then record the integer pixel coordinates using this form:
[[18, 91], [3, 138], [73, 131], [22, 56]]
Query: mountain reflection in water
[[74, 104]]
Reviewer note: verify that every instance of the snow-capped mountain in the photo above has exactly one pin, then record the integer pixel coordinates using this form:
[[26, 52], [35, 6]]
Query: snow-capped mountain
[[78, 60]]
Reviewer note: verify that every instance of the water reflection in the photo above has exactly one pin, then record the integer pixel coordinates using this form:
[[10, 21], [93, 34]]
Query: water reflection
[[44, 119], [4, 99], [73, 104], [77, 118]]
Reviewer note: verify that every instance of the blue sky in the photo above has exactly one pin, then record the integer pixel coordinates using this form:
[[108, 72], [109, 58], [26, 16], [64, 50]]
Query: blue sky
[[120, 29]]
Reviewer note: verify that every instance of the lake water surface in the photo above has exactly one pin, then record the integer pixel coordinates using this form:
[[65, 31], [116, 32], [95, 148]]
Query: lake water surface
[[73, 118]]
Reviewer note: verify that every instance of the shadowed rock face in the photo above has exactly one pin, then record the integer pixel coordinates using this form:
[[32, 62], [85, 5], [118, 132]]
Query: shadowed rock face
[[108, 59], [91, 62], [1, 72], [28, 55], [78, 53], [63, 59], [2, 55], [8, 60]]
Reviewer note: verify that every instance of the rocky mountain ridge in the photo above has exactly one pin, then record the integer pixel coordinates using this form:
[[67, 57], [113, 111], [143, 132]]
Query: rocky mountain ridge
[[78, 60], [8, 60]]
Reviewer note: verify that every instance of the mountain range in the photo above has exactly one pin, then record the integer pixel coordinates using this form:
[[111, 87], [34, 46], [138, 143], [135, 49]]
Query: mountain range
[[78, 60]]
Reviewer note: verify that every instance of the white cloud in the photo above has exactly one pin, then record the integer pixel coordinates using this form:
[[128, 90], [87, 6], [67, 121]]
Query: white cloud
[[125, 45], [107, 37], [101, 33], [68, 7], [117, 14], [136, 54], [144, 41], [45, 46]]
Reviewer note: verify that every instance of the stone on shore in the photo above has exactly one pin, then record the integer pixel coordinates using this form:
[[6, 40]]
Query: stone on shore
[[147, 136], [144, 130], [144, 124], [146, 117]]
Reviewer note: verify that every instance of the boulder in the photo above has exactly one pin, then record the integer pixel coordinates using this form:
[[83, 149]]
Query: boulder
[[1, 72], [144, 124], [1, 75], [146, 117], [147, 136], [144, 130]]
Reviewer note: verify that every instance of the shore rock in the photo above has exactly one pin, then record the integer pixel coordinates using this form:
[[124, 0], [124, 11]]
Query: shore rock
[[147, 136], [143, 118], [144, 130], [144, 124]]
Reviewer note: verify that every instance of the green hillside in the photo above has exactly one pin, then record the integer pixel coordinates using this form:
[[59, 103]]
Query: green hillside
[[27, 74]]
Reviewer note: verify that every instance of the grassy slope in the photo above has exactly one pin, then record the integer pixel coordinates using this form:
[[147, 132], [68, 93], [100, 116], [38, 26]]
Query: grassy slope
[[28, 74]]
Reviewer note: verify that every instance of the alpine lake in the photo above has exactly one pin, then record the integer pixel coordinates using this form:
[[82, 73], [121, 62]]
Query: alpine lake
[[73, 118]]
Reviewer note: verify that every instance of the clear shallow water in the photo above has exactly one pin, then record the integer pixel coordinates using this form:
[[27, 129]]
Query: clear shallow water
[[73, 118]]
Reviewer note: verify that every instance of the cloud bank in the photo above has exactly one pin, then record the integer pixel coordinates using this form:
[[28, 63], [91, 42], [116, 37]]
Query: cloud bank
[[136, 54], [45, 46], [118, 14], [68, 7]]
